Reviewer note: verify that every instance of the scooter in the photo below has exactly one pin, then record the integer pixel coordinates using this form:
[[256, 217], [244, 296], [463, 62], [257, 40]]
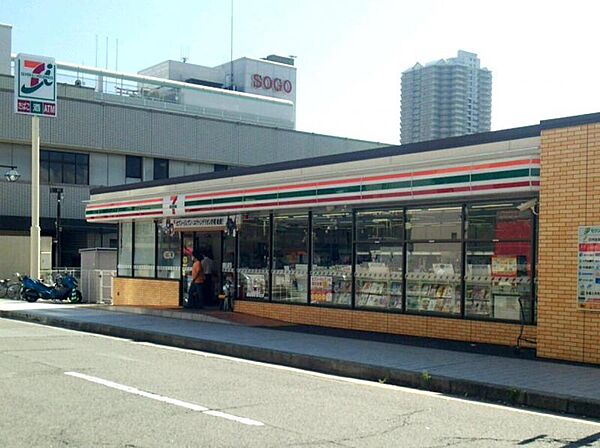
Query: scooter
[[65, 288]]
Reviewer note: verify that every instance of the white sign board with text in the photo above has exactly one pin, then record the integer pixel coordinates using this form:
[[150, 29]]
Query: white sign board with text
[[588, 272], [35, 85]]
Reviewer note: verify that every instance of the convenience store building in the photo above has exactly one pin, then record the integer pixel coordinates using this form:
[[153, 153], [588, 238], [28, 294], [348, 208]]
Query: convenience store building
[[486, 238]]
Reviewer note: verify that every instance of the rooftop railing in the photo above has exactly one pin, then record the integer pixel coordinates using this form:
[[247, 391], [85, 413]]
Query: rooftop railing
[[164, 94]]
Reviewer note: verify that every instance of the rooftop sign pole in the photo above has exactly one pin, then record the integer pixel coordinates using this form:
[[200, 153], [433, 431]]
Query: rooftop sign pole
[[35, 95]]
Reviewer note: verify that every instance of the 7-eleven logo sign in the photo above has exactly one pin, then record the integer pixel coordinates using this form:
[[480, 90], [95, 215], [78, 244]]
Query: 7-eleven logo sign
[[174, 205]]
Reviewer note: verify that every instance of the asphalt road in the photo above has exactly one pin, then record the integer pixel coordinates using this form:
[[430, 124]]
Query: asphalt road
[[60, 388]]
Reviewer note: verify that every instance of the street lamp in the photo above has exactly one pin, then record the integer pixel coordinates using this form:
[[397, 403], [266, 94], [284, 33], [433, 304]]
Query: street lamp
[[12, 175]]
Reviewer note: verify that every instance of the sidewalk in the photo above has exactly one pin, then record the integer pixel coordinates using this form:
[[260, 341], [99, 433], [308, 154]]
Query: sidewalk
[[553, 386]]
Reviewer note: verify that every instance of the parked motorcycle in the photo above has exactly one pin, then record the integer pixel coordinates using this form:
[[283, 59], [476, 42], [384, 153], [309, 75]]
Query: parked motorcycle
[[65, 289], [10, 288]]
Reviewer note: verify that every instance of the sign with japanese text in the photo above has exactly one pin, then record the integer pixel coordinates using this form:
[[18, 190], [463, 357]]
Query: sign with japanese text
[[504, 266], [35, 85], [212, 223], [588, 265]]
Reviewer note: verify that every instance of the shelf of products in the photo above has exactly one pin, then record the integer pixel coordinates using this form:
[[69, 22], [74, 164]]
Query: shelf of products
[[496, 297], [331, 285], [432, 293], [290, 285], [254, 282], [379, 293]]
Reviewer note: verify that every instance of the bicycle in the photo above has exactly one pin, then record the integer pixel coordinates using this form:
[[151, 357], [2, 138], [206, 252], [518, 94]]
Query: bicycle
[[4, 287], [13, 288]]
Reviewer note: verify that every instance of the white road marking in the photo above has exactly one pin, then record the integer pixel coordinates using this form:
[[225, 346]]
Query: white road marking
[[335, 378], [173, 401]]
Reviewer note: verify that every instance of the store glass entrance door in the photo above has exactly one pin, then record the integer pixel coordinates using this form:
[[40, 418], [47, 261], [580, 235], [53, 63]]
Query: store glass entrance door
[[209, 244]]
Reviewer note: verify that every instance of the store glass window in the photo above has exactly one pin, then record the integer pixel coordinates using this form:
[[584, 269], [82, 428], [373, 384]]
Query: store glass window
[[434, 260], [161, 169], [379, 257], [433, 277], [125, 249], [498, 222], [331, 272], [379, 275], [57, 167], [498, 265], [379, 225], [253, 272], [143, 254], [290, 257], [442, 223], [168, 252]]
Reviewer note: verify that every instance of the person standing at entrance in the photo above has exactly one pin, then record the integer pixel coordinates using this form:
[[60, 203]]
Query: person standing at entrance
[[196, 293], [208, 267]]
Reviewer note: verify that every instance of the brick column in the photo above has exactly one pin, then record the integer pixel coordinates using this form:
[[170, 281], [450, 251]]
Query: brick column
[[569, 198]]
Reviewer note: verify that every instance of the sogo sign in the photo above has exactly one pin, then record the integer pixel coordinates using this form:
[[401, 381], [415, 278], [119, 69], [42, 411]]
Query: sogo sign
[[268, 83]]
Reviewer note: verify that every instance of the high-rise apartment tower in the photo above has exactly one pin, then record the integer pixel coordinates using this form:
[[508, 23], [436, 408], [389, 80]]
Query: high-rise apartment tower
[[445, 98]]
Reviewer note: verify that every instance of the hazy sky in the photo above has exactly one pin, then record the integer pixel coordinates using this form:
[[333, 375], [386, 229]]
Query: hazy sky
[[350, 53]]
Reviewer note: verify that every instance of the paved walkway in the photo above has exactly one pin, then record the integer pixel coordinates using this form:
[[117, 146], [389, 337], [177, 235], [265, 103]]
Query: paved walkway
[[549, 385]]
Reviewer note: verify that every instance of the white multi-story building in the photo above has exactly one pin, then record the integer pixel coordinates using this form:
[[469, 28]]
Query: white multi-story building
[[445, 98], [273, 77]]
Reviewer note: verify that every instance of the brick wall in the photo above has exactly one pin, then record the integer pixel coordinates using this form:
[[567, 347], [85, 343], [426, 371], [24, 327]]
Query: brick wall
[[569, 198], [423, 326], [145, 292]]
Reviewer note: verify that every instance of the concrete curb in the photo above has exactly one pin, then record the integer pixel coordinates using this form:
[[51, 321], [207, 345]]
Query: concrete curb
[[419, 380], [165, 313]]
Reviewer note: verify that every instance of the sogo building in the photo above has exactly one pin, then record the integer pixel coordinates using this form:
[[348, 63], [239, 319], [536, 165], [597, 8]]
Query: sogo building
[[485, 238]]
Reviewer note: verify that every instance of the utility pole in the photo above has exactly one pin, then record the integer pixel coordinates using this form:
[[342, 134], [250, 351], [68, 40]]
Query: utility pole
[[35, 231]]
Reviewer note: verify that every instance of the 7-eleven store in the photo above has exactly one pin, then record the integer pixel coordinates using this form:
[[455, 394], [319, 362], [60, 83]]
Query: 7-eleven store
[[471, 238]]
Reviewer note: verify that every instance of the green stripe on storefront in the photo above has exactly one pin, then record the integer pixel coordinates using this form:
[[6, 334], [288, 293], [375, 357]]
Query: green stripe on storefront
[[132, 208], [296, 194], [387, 186], [436, 181], [198, 202], [339, 190], [500, 175], [259, 197], [406, 184]]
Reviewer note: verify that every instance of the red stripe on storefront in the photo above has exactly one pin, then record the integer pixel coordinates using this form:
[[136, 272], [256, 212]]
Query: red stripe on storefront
[[363, 197], [123, 204], [524, 183], [366, 179], [123, 215]]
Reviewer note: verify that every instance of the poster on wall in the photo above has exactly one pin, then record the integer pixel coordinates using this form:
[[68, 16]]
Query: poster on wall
[[588, 266], [321, 287], [504, 266]]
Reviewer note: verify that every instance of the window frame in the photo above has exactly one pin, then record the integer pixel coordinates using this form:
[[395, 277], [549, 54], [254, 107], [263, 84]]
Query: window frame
[[80, 164], [156, 163], [129, 168]]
